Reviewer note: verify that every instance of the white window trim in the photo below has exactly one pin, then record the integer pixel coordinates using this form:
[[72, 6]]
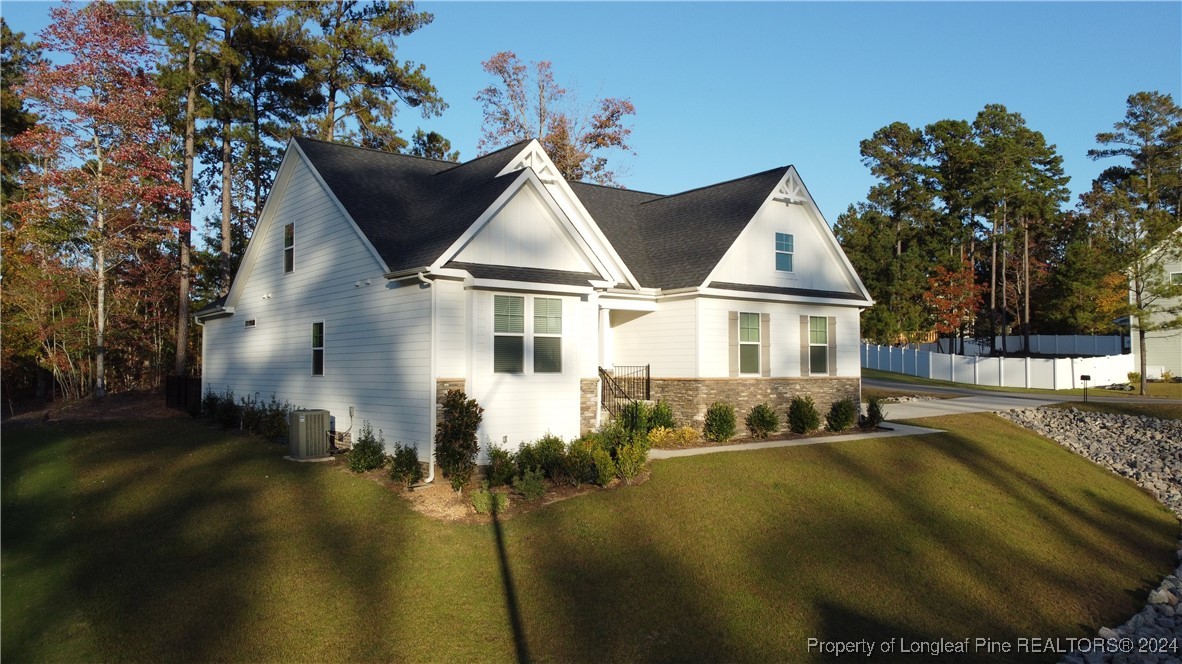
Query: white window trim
[[824, 344], [528, 334], [790, 254], [323, 354], [1176, 278], [757, 343]]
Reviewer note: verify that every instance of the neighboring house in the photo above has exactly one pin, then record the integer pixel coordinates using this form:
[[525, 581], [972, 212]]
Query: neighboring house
[[375, 282], [1163, 347]]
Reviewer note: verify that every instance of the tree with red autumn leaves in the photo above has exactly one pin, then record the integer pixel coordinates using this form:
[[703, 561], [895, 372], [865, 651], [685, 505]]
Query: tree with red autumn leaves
[[98, 186], [524, 104], [953, 299]]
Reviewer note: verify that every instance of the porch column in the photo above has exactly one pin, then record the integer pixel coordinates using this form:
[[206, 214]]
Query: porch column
[[606, 349]]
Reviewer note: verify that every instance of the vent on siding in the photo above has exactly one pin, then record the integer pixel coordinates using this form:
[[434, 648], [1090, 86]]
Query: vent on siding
[[250, 322]]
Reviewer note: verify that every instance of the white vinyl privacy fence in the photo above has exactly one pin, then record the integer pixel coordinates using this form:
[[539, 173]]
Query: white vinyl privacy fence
[[1056, 374], [1071, 345]]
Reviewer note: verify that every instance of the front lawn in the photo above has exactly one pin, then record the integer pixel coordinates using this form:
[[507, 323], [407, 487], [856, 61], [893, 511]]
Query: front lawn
[[169, 541]]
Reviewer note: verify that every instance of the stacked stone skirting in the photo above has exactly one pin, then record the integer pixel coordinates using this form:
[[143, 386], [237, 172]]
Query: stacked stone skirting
[[588, 403], [442, 387], [690, 397]]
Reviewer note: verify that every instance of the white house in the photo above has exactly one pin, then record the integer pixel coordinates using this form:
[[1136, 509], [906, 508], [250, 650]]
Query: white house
[[375, 282], [1163, 347]]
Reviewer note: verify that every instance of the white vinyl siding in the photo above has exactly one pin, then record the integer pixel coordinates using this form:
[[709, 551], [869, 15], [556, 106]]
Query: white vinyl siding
[[378, 334], [666, 339]]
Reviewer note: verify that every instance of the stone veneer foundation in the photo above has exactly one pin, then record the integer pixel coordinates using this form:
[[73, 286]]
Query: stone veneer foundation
[[442, 386], [588, 403], [690, 397]]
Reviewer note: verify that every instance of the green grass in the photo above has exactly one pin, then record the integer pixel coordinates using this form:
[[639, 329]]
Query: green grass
[[1156, 390], [168, 541]]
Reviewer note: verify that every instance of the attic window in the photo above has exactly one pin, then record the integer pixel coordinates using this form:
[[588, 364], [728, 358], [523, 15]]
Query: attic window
[[784, 249], [288, 248], [250, 322]]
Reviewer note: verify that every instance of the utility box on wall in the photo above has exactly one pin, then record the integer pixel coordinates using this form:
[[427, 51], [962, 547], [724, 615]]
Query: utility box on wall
[[307, 434]]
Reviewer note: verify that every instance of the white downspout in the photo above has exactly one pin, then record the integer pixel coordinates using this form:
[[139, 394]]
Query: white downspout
[[433, 388]]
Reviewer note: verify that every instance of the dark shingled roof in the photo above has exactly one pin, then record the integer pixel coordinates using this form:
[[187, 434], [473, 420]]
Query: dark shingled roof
[[412, 209], [675, 241], [529, 274], [781, 290]]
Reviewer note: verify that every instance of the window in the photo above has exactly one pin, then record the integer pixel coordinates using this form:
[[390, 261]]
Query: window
[[288, 248], [1176, 279], [818, 345], [784, 251], [508, 334], [547, 335], [748, 343], [318, 349]]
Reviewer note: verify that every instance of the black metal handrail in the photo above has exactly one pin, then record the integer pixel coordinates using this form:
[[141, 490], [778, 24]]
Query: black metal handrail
[[622, 386]]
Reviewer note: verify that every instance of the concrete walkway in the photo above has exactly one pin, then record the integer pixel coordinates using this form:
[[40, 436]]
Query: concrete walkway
[[896, 430]]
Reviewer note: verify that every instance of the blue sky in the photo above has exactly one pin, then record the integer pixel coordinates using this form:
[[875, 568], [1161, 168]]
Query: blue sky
[[725, 90]]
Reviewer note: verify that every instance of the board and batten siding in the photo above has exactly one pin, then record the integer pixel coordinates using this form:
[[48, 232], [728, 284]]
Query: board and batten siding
[[377, 334], [816, 263], [713, 331], [523, 407], [525, 233], [666, 339]]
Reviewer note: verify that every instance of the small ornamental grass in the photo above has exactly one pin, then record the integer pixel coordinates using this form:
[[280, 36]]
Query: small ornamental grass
[[720, 422], [762, 421], [369, 450], [842, 415], [802, 415]]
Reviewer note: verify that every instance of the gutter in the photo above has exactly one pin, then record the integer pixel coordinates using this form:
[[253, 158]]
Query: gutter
[[407, 273], [434, 387]]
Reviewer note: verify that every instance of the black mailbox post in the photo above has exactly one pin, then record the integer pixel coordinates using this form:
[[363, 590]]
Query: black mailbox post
[[1085, 378]]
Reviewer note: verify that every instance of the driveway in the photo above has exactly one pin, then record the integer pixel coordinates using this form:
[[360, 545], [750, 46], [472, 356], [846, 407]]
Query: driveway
[[975, 404]]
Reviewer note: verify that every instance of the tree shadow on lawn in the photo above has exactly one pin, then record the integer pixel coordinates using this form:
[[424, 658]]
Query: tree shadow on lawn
[[183, 547], [916, 563]]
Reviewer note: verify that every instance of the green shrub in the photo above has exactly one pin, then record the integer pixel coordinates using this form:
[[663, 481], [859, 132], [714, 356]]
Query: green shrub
[[369, 450], [580, 461], [456, 445], [485, 501], [762, 421], [802, 415], [1134, 377], [527, 458], [661, 416], [209, 404], [501, 466], [251, 412], [605, 467], [227, 410], [634, 417], [551, 453], [613, 435], [404, 465], [874, 415], [842, 415], [273, 420], [531, 484], [720, 422], [630, 460]]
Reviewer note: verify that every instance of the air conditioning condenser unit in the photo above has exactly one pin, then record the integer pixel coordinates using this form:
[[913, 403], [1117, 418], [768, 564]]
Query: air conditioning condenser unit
[[307, 434]]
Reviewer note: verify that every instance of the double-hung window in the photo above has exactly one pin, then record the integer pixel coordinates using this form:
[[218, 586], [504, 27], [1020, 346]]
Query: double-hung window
[[318, 349], [784, 250], [818, 345], [1176, 279], [547, 335], [288, 248], [748, 343], [508, 333]]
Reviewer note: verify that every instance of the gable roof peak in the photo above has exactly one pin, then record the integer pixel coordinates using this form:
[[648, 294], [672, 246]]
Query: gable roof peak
[[778, 169]]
